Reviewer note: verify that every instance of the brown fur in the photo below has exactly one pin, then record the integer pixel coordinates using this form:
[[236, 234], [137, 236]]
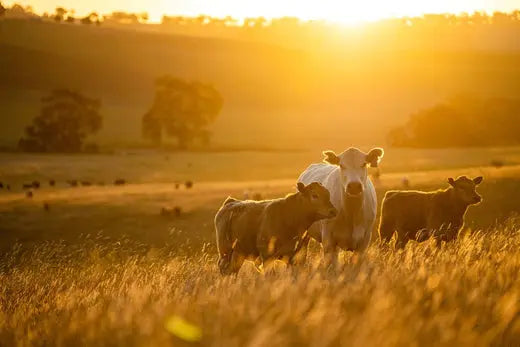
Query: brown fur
[[416, 215], [269, 229]]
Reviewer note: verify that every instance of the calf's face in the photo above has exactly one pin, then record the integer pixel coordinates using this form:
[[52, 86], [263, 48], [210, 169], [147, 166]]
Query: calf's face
[[465, 189], [317, 198], [353, 164]]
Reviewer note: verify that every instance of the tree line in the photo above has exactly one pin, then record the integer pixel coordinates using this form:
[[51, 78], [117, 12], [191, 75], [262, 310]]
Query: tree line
[[461, 121], [181, 110]]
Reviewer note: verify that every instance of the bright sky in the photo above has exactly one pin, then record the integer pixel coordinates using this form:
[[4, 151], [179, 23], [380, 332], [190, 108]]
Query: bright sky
[[345, 11]]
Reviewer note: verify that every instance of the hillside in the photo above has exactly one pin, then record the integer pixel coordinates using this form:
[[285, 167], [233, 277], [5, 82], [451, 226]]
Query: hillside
[[273, 95]]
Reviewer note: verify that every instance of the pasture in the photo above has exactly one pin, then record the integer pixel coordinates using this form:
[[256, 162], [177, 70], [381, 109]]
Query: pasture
[[102, 266]]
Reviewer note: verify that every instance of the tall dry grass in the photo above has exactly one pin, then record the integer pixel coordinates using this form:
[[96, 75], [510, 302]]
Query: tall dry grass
[[118, 293]]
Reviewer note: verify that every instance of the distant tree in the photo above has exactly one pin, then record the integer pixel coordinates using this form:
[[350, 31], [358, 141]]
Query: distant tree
[[70, 19], [59, 14], [2, 10], [181, 110], [462, 121], [65, 120], [86, 20]]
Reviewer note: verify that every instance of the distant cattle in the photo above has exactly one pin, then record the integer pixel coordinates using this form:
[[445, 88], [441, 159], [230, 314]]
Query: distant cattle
[[497, 163], [416, 215], [35, 184], [270, 229], [188, 184], [352, 193], [86, 183], [52, 182], [29, 194], [119, 182], [177, 185], [72, 183], [27, 186], [1, 185], [171, 211]]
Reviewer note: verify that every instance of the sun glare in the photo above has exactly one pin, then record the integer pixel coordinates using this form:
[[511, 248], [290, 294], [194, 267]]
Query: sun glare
[[336, 11]]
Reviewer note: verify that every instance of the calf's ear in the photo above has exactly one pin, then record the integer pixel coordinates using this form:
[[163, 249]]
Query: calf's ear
[[451, 181], [331, 158], [301, 187], [478, 180], [374, 156]]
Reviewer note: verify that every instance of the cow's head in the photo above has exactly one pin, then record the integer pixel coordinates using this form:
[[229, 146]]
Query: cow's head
[[317, 199], [353, 165], [465, 189]]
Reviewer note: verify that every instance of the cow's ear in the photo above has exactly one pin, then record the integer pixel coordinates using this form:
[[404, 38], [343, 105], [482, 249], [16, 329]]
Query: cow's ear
[[374, 156], [451, 181], [301, 187], [478, 180], [331, 158]]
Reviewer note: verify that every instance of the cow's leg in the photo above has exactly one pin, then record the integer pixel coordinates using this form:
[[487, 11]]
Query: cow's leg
[[330, 249], [237, 259], [300, 255], [386, 229], [402, 239]]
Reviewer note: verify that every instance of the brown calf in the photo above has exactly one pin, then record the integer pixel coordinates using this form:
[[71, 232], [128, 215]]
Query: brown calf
[[418, 215], [269, 229]]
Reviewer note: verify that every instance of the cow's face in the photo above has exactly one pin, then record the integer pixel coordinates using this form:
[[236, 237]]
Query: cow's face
[[465, 189], [317, 198], [353, 165]]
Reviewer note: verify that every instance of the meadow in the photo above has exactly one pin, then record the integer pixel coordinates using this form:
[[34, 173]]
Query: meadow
[[102, 266]]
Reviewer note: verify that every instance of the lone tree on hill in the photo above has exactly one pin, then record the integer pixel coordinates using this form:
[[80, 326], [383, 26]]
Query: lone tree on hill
[[181, 110], [65, 120]]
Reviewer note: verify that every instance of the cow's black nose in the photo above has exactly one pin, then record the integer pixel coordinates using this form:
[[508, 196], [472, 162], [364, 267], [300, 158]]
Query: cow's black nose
[[354, 188]]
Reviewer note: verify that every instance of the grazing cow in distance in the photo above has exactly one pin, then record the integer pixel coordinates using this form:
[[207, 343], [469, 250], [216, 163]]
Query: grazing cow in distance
[[86, 183], [1, 185], [72, 183], [29, 194], [269, 229], [52, 182], [27, 186], [416, 215], [188, 184], [168, 211], [352, 193], [120, 182], [35, 184]]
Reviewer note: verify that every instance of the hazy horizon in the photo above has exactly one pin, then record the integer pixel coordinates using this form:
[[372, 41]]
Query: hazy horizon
[[330, 10]]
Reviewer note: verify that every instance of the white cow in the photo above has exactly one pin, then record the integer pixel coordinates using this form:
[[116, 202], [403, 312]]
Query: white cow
[[352, 194]]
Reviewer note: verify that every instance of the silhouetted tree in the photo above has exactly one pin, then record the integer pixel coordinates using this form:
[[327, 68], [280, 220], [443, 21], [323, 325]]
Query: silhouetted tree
[[2, 10], [60, 13], [65, 120], [460, 122], [181, 110]]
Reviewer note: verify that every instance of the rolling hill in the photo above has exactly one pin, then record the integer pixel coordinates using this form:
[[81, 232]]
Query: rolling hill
[[274, 95]]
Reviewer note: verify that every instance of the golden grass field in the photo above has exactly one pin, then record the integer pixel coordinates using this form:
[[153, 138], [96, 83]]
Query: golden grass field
[[103, 267]]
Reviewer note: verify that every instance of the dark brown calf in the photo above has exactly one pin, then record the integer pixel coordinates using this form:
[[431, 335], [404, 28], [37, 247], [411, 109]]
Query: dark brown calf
[[416, 215], [269, 229]]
